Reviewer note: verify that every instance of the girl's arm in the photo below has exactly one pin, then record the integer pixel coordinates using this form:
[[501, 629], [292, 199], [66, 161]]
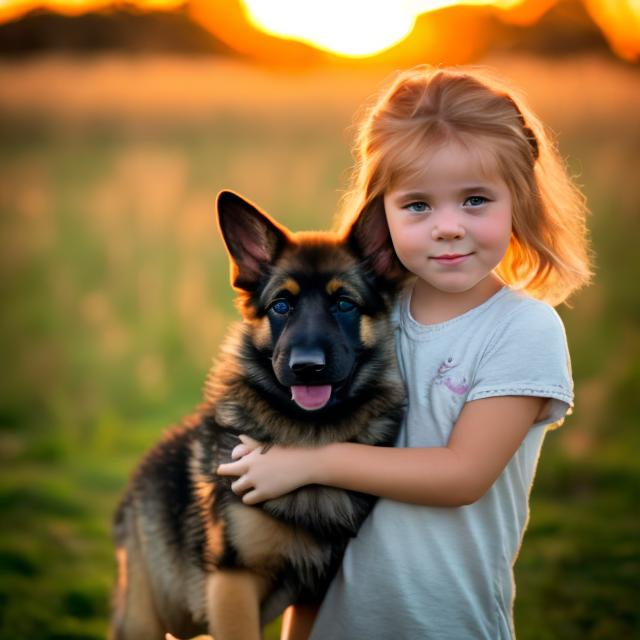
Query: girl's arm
[[485, 437]]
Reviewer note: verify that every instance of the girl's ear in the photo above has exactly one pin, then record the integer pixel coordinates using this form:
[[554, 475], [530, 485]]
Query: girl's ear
[[252, 238], [370, 239]]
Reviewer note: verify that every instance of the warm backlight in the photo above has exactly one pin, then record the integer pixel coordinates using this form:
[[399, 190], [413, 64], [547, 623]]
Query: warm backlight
[[10, 9], [357, 28], [349, 28]]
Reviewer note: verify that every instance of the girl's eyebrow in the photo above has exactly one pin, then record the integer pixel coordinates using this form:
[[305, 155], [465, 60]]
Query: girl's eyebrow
[[475, 188], [404, 196], [411, 195]]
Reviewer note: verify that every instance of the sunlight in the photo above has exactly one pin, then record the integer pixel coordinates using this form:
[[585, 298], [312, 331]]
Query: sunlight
[[335, 25], [11, 9], [619, 21], [354, 28], [358, 28]]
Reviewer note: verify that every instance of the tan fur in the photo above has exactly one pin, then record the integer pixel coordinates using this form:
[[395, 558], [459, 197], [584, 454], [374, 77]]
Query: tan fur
[[233, 603], [123, 578], [135, 614], [367, 331], [335, 284], [291, 286], [262, 332], [204, 491], [265, 542]]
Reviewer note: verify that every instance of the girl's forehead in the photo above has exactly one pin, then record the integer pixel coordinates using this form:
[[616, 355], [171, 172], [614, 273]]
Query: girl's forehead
[[451, 161]]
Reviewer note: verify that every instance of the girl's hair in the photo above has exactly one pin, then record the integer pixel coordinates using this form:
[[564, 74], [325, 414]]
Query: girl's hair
[[548, 255]]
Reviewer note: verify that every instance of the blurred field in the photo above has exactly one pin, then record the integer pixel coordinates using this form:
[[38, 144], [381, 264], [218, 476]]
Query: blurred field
[[115, 296]]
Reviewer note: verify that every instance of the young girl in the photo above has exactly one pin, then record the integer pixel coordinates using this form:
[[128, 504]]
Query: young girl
[[481, 212]]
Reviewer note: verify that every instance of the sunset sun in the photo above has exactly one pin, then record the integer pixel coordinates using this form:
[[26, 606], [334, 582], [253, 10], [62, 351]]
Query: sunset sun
[[358, 28]]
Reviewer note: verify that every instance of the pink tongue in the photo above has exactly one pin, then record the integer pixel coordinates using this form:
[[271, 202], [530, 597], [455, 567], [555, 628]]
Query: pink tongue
[[311, 397]]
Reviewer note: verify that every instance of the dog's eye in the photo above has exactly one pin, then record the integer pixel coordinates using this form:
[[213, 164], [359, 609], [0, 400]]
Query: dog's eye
[[281, 307], [344, 304]]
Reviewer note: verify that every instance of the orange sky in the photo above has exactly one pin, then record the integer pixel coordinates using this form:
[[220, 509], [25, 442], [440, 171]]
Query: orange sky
[[279, 30]]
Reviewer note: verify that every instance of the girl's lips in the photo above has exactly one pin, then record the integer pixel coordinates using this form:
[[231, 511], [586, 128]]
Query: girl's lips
[[450, 259]]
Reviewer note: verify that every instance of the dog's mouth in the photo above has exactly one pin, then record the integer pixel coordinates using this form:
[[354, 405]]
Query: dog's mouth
[[311, 397]]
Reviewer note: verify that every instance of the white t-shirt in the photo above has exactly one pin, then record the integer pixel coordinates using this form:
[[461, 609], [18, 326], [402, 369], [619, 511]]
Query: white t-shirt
[[444, 573]]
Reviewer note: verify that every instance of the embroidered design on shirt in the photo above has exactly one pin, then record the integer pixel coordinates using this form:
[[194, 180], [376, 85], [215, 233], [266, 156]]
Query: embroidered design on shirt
[[446, 376]]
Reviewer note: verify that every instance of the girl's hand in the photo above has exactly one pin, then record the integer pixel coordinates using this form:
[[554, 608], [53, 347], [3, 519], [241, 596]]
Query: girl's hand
[[247, 445], [264, 475]]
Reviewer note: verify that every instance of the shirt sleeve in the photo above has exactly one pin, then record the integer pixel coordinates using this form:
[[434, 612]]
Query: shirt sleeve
[[528, 356]]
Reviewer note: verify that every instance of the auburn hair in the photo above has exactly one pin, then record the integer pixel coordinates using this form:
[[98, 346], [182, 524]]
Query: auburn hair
[[424, 107]]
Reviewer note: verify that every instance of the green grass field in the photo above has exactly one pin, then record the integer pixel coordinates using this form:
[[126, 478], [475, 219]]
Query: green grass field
[[115, 297]]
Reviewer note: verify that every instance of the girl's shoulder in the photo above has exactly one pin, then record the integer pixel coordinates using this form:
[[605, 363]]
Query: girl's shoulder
[[526, 353], [518, 310], [525, 327]]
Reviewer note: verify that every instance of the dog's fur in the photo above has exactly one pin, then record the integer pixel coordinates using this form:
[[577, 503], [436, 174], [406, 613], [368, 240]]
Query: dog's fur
[[192, 558]]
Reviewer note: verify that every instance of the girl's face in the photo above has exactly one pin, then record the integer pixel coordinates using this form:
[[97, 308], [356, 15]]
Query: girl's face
[[451, 225]]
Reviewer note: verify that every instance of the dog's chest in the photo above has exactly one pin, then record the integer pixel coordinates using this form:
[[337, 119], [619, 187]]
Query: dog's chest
[[266, 544]]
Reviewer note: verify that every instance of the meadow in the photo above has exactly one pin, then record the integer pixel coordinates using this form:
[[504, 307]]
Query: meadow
[[115, 296]]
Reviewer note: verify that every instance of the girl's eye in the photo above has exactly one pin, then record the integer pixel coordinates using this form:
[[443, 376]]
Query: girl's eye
[[417, 207], [476, 201], [344, 305], [281, 307]]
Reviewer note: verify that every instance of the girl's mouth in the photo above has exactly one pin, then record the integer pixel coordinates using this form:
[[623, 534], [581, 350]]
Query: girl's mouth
[[451, 258]]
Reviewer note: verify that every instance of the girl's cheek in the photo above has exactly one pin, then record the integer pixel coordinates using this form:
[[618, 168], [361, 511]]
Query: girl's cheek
[[494, 232]]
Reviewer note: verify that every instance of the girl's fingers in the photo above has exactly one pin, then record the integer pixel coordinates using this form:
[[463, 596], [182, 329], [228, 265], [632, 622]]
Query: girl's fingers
[[239, 451], [241, 485], [246, 446], [231, 468], [249, 442], [251, 497]]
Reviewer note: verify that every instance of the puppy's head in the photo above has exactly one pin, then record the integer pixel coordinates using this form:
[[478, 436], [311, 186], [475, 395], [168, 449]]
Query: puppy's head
[[314, 304]]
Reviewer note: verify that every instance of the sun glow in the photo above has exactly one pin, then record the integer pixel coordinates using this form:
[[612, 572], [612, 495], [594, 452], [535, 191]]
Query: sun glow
[[358, 28], [290, 30], [11, 9], [353, 28]]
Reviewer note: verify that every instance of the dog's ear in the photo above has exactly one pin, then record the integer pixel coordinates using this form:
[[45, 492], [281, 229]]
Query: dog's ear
[[252, 238], [369, 238]]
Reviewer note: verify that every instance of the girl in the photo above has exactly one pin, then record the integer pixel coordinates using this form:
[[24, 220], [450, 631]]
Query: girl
[[481, 213]]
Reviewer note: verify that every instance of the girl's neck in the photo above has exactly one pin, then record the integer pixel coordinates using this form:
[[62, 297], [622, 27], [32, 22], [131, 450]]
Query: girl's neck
[[432, 306]]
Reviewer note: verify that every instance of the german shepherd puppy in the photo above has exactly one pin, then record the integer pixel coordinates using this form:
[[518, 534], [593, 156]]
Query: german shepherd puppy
[[312, 362]]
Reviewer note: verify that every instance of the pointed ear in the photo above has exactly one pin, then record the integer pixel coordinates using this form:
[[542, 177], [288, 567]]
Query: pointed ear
[[370, 239], [252, 238]]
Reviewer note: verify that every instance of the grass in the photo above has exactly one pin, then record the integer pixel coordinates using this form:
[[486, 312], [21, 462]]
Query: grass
[[115, 296]]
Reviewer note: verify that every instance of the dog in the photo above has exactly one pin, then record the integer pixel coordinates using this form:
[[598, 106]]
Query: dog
[[312, 362]]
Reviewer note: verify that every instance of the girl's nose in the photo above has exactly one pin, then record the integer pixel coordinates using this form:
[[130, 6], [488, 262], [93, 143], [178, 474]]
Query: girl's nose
[[447, 227]]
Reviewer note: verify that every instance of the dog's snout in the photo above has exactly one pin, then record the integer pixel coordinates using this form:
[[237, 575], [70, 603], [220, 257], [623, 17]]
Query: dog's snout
[[304, 360]]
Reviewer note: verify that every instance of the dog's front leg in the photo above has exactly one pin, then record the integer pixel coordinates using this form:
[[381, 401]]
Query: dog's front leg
[[233, 604]]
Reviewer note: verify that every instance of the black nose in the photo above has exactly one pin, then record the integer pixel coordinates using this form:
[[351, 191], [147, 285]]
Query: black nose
[[306, 360]]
